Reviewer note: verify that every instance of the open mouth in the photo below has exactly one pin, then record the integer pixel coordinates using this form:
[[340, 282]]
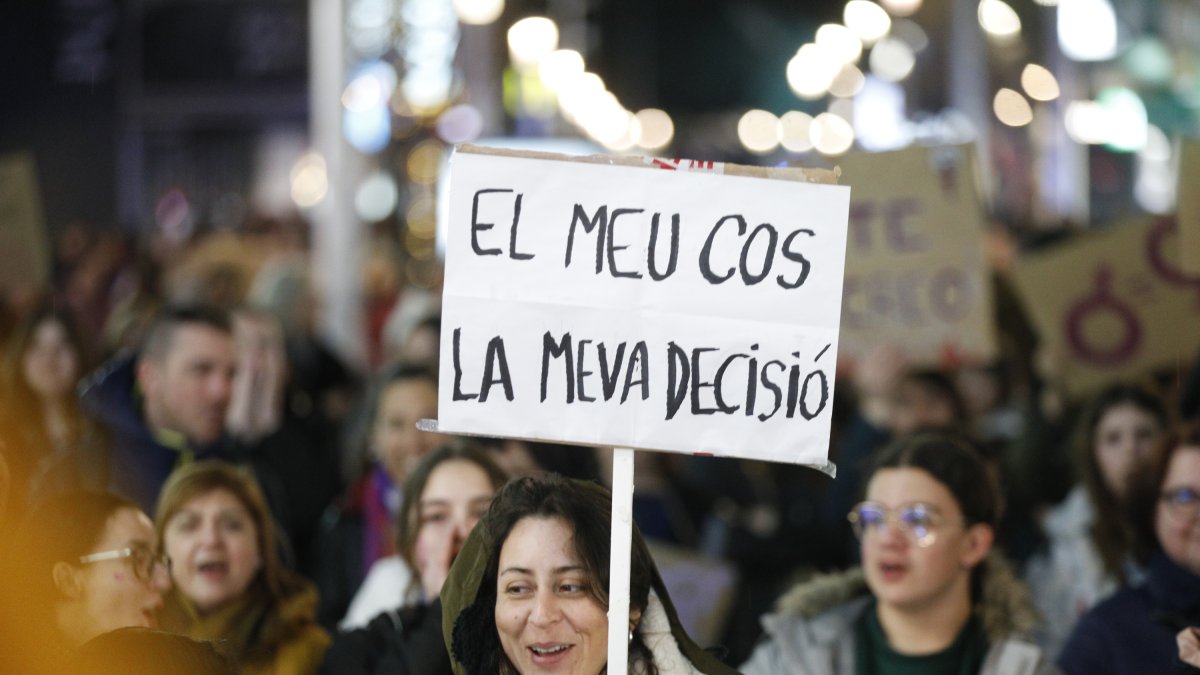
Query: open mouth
[[543, 653], [892, 571], [213, 568]]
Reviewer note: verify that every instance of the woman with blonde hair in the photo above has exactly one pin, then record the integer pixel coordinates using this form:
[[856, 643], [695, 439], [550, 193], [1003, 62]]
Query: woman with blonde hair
[[230, 586]]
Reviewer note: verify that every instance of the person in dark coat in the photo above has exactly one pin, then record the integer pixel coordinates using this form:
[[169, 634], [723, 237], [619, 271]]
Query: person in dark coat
[[164, 407], [1135, 630]]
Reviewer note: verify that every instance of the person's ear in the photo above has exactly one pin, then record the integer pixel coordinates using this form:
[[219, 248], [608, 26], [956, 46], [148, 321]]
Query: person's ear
[[67, 580], [978, 542], [635, 617]]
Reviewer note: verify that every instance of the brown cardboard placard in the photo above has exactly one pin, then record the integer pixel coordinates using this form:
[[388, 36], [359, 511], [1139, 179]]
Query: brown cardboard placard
[[23, 235], [1189, 206], [1113, 305], [915, 271]]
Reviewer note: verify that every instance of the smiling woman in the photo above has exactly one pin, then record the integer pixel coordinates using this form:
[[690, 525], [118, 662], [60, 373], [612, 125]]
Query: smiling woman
[[230, 586], [528, 592]]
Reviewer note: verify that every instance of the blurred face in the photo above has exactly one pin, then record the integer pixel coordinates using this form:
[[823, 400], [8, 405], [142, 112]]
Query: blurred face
[[1124, 438], [213, 544], [920, 407], [905, 575], [113, 594], [50, 364], [457, 493], [547, 619], [1177, 521], [188, 389], [397, 442]]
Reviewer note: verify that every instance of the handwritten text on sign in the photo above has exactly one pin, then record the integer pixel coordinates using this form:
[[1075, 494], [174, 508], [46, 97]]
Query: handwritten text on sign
[[636, 307]]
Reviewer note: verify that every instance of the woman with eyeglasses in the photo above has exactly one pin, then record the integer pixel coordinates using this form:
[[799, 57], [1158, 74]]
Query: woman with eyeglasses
[[230, 586], [1135, 630], [929, 597], [81, 564]]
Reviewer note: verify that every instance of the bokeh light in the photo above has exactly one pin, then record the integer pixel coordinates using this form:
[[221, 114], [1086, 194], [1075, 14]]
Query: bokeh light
[[831, 135], [839, 43], [795, 126], [376, 198], [867, 20], [1087, 29], [811, 71], [1011, 108], [1039, 83], [309, 181], [531, 39], [657, 129], [759, 131], [902, 7], [478, 12], [460, 124], [559, 67], [848, 82], [998, 19], [891, 60]]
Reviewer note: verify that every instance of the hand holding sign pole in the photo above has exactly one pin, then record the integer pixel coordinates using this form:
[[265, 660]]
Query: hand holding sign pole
[[609, 302]]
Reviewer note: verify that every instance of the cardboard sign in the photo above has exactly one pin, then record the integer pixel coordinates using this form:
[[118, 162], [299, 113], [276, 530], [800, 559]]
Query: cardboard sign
[[22, 229], [597, 302], [1189, 207], [1114, 304], [915, 271]]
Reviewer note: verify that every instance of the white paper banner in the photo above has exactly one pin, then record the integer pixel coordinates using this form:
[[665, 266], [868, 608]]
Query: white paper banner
[[636, 307]]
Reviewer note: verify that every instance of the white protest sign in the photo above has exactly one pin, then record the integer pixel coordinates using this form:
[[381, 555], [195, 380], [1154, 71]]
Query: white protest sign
[[630, 306]]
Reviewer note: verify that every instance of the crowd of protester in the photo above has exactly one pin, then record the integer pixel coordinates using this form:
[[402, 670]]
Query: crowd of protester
[[188, 474]]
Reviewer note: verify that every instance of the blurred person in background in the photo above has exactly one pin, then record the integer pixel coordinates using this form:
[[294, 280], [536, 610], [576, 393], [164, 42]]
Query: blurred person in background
[[931, 597], [291, 446], [79, 565], [359, 531], [230, 587], [142, 651], [1089, 538], [166, 406], [1134, 631], [41, 421], [395, 620]]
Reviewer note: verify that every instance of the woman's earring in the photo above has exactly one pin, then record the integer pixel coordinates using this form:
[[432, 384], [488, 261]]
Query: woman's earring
[[630, 636]]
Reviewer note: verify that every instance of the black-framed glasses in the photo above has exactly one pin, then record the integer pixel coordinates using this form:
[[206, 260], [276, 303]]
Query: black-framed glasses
[[141, 559], [918, 521], [1182, 503]]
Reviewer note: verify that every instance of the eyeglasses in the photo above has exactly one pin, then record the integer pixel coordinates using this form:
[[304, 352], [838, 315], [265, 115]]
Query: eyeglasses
[[918, 521], [1182, 503], [144, 562]]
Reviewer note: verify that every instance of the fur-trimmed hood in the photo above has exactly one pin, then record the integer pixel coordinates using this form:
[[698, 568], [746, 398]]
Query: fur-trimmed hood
[[1006, 608]]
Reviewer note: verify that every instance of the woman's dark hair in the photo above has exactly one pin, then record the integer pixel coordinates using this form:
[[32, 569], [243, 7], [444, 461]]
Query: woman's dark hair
[[952, 461], [1145, 486], [408, 524], [588, 509], [939, 384], [1111, 530]]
